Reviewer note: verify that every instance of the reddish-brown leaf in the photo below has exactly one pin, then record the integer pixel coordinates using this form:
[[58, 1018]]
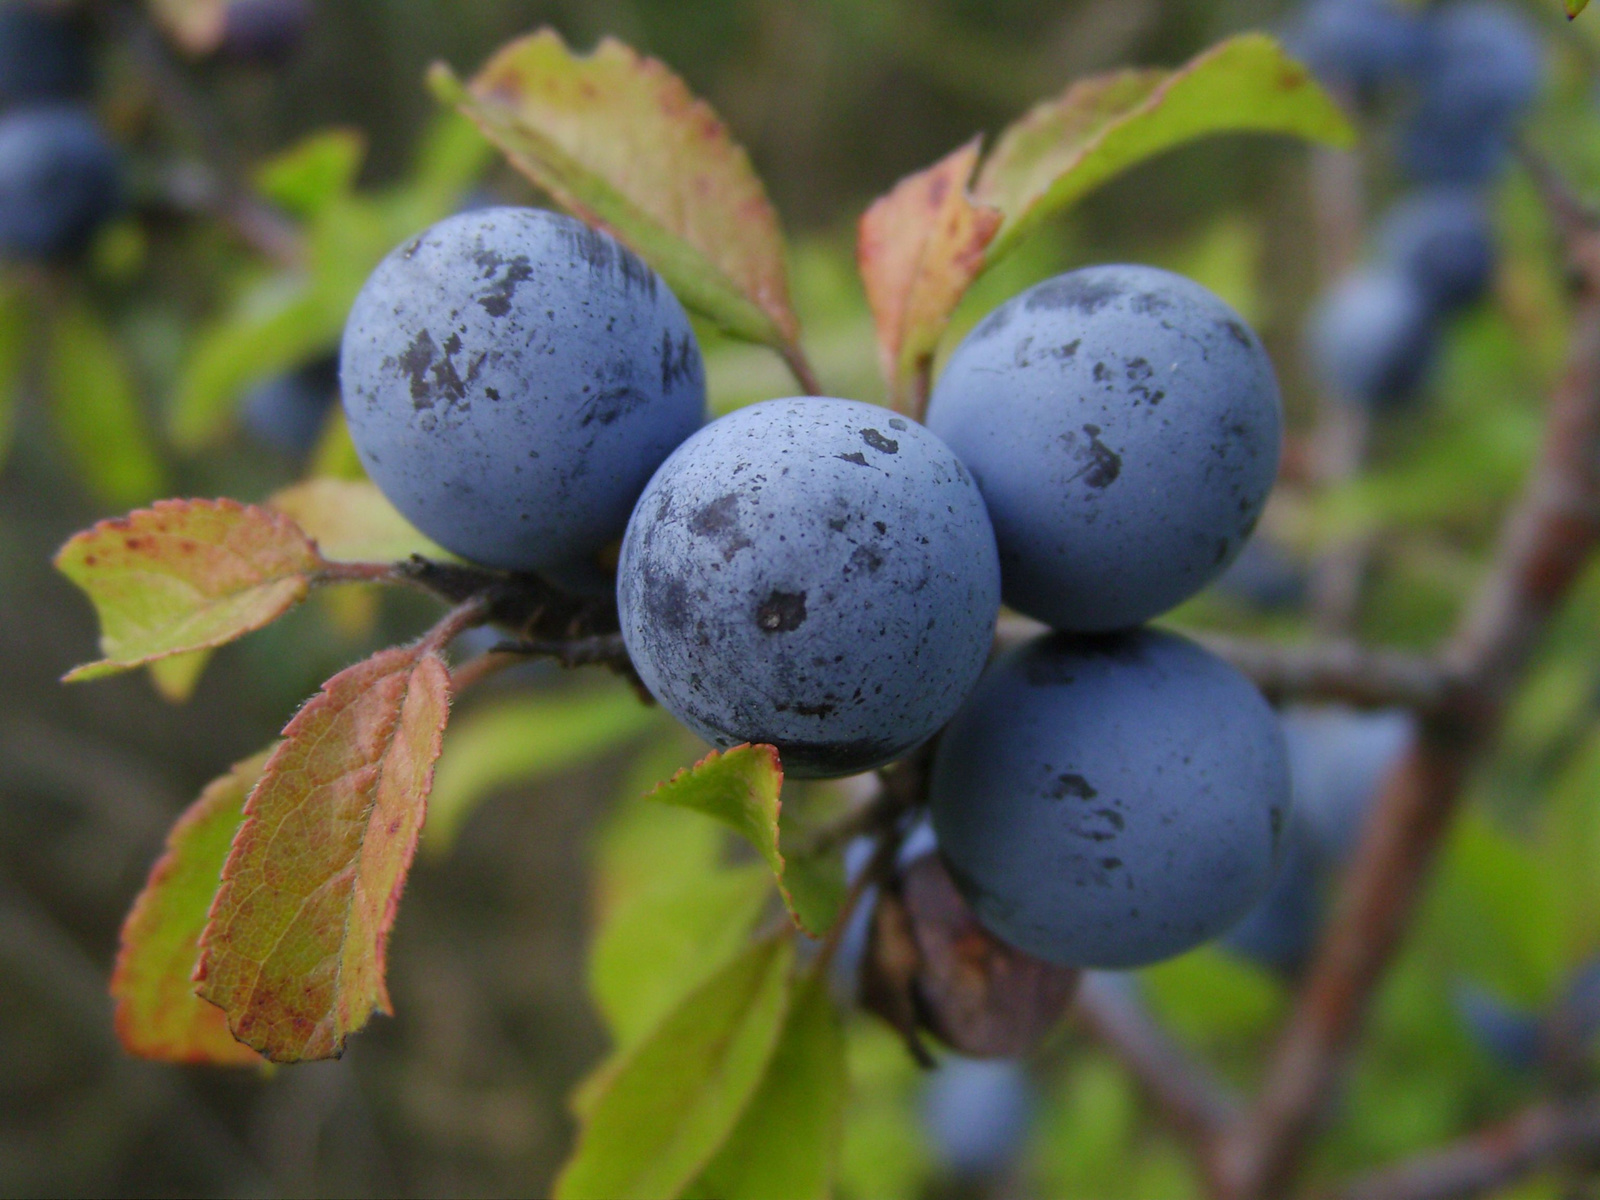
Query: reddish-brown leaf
[[919, 249], [294, 949], [158, 1015], [977, 994], [186, 575]]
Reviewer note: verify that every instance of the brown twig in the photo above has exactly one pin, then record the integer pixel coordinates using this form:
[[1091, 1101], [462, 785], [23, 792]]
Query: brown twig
[[1546, 539], [604, 649], [1341, 670], [1340, 442], [475, 670], [1545, 1135], [1194, 1101], [467, 615]]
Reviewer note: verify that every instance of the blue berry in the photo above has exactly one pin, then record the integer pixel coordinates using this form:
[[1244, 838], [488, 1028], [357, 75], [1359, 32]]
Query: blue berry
[[1281, 932], [1338, 758], [1479, 75], [1371, 340], [977, 1113], [266, 32], [60, 180], [42, 54], [512, 378], [1508, 1036], [1124, 427], [288, 412], [1356, 47], [1264, 578], [1457, 156], [1111, 801], [1440, 238], [815, 574]]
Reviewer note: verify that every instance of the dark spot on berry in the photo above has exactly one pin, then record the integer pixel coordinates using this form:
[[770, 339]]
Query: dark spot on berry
[[781, 612]]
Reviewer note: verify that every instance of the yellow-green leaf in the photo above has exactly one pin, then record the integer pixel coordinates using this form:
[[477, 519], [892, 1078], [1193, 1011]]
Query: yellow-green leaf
[[177, 677], [742, 788], [16, 319], [661, 1113], [96, 409], [787, 1143], [739, 787], [1574, 7], [185, 575], [294, 951], [158, 1014], [522, 738], [351, 521], [334, 456], [1100, 127], [618, 140], [280, 325], [919, 249], [658, 948], [311, 174]]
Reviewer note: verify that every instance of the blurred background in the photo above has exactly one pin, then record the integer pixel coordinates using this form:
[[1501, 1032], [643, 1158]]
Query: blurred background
[[182, 351]]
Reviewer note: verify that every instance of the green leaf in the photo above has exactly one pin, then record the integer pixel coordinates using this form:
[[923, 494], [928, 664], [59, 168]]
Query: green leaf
[[667, 1107], [1084, 1142], [96, 409], [279, 325], [158, 1015], [525, 737], [886, 1155], [312, 174], [1570, 842], [185, 575], [295, 948], [741, 788], [334, 456], [924, 243], [1494, 911], [452, 157], [644, 846], [653, 951], [618, 140], [16, 319], [813, 885], [1100, 127], [787, 1143], [352, 521], [176, 678]]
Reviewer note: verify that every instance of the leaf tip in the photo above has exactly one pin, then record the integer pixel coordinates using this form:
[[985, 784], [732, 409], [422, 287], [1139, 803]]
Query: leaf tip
[[444, 84]]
